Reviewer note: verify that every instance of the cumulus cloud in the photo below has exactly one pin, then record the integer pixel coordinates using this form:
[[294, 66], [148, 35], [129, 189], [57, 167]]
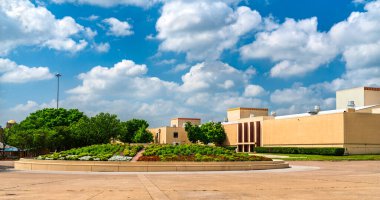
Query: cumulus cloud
[[296, 48], [254, 91], [300, 99], [359, 41], [10, 72], [203, 29], [24, 23], [206, 90], [118, 28], [102, 47], [111, 3], [213, 76]]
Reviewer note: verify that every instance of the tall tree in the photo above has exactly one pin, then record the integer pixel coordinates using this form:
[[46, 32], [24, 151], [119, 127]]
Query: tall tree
[[143, 136], [130, 128]]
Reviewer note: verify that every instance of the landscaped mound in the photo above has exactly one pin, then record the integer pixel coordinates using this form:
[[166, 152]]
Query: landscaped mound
[[102, 152], [194, 152]]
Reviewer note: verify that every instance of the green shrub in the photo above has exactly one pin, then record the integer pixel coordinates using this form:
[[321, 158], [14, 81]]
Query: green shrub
[[300, 150], [97, 152], [195, 152]]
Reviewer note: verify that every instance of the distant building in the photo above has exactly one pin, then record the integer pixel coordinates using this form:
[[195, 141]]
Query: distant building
[[175, 133], [354, 125], [10, 123], [361, 96]]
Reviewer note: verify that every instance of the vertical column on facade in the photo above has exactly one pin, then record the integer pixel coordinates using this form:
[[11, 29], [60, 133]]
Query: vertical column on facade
[[245, 137], [240, 137], [251, 134], [258, 133]]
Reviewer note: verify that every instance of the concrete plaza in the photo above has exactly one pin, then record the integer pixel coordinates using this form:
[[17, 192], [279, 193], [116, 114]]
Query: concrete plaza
[[306, 180]]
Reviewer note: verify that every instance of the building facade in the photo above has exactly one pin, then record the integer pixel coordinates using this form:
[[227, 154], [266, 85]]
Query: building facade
[[175, 133], [353, 127]]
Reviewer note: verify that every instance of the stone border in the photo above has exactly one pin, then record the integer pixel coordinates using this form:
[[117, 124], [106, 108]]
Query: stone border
[[115, 166]]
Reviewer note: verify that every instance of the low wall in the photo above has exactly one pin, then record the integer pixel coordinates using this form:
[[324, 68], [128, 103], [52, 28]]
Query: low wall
[[108, 166]]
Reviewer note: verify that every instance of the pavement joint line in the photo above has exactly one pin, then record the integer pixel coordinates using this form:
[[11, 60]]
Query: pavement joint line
[[154, 192], [293, 168]]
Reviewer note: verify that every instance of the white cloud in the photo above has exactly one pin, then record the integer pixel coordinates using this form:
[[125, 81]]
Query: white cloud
[[24, 24], [10, 72], [300, 99], [111, 3], [91, 18], [102, 47], [254, 91], [180, 67], [118, 28], [358, 39], [213, 76], [203, 29], [296, 47], [206, 91]]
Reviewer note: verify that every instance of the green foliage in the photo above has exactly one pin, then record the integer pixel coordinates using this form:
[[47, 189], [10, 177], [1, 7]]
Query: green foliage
[[214, 132], [61, 129], [130, 128], [44, 129], [94, 152], [195, 152], [50, 118], [206, 133], [143, 136], [100, 129], [132, 150], [300, 150]]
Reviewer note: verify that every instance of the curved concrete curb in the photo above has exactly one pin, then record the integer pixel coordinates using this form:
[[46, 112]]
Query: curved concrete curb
[[107, 166]]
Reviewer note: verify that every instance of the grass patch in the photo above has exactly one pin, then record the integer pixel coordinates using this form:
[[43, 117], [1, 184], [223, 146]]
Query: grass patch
[[307, 157], [195, 152], [101, 152]]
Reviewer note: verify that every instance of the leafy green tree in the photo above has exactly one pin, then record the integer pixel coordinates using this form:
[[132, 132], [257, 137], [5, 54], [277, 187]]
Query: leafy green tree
[[214, 132], [143, 136], [81, 133], [44, 129], [105, 126], [194, 133], [206, 133], [99, 129], [51, 117], [130, 128]]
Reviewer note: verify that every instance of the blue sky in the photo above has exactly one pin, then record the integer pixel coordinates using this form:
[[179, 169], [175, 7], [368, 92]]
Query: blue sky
[[158, 59]]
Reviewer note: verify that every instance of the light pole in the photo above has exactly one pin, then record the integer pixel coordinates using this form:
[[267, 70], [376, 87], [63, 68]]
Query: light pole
[[58, 75]]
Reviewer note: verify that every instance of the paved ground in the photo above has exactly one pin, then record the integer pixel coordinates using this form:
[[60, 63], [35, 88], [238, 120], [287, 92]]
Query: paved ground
[[307, 180]]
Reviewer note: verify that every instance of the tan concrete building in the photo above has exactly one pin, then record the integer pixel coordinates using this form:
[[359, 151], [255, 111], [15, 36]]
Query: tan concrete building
[[362, 96], [175, 133], [355, 128]]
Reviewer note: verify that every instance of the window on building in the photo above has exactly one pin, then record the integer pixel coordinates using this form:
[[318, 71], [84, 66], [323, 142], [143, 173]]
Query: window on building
[[175, 135]]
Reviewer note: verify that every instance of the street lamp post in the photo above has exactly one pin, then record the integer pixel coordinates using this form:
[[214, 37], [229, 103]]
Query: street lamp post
[[58, 75]]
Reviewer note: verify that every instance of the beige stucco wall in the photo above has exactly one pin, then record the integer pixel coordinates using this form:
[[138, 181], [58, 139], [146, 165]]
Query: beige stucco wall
[[231, 134], [240, 113], [161, 131], [376, 111], [179, 122], [354, 94], [167, 135], [362, 133], [371, 97], [310, 131]]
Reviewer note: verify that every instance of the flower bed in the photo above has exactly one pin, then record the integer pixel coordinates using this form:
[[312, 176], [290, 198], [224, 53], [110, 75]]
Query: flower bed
[[194, 152], [103, 152]]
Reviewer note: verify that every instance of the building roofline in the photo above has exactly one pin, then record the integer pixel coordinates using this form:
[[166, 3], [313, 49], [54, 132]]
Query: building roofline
[[241, 108], [372, 89], [361, 87], [184, 118]]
